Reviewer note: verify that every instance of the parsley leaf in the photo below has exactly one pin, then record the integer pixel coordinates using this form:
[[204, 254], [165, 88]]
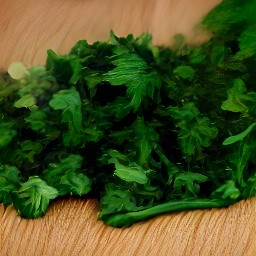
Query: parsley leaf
[[237, 98], [69, 102], [133, 72], [67, 177], [193, 133], [9, 183], [33, 198], [131, 173], [185, 72]]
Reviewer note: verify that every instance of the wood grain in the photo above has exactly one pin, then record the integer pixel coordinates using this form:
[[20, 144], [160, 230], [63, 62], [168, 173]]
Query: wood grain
[[27, 29], [71, 228]]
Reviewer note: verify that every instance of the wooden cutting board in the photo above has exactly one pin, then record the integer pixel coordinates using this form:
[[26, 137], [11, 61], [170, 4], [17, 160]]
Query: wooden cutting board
[[27, 29], [70, 227]]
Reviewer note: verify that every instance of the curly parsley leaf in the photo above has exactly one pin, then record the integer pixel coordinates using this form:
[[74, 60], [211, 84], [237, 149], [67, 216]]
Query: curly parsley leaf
[[133, 72], [195, 131]]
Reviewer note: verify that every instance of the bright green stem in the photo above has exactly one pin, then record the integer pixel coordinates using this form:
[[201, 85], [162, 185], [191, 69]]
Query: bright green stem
[[127, 219]]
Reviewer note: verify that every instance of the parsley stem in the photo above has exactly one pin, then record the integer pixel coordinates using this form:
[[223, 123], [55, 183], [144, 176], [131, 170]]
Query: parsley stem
[[127, 219]]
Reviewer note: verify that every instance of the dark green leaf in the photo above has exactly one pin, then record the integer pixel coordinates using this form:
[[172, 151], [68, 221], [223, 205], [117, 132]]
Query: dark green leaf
[[33, 198], [7, 134], [69, 102], [116, 200], [185, 72], [248, 38], [9, 183], [67, 176], [190, 181]]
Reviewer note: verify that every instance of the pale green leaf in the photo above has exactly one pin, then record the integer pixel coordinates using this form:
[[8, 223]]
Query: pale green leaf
[[132, 173], [26, 101], [17, 70]]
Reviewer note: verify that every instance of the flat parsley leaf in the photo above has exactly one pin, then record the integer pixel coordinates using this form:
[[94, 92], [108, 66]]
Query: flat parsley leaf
[[130, 173], [67, 176], [9, 183], [33, 198], [237, 99], [69, 102]]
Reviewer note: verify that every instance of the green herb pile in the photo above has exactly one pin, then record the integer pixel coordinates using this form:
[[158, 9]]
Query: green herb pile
[[145, 129]]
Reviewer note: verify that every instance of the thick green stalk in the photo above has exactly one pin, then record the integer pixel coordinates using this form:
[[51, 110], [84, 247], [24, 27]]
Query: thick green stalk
[[127, 219]]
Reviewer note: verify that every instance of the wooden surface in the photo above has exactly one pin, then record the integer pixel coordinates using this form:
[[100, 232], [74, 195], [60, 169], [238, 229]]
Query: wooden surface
[[27, 29], [71, 228]]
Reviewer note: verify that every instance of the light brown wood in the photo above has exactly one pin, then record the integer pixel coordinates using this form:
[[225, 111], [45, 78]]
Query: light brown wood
[[71, 228], [27, 29]]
